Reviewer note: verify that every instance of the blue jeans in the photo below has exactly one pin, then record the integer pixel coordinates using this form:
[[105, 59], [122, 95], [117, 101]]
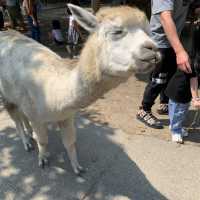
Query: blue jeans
[[35, 30], [177, 114]]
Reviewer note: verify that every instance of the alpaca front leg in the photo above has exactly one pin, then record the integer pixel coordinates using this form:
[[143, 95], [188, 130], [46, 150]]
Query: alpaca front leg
[[27, 126], [42, 142], [69, 140]]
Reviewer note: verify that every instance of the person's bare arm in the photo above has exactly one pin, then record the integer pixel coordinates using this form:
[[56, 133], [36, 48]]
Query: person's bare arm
[[30, 7], [30, 12], [169, 27], [194, 87], [194, 92]]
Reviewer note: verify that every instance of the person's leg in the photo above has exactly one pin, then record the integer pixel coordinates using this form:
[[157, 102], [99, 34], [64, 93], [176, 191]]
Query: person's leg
[[177, 113], [20, 18], [163, 107], [157, 83], [36, 31], [11, 12], [36, 27], [163, 98], [69, 47], [1, 20], [151, 92], [30, 25], [159, 78], [75, 50]]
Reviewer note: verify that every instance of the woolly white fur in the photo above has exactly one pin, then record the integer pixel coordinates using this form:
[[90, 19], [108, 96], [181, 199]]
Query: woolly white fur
[[46, 88]]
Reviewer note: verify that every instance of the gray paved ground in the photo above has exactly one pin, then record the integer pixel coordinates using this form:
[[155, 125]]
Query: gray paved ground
[[120, 167]]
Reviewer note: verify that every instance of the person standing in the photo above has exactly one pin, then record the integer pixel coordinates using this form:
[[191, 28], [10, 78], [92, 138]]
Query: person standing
[[73, 35], [30, 7], [15, 15], [181, 88], [166, 23]]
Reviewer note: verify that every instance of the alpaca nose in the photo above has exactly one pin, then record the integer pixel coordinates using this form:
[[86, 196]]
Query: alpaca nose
[[151, 52]]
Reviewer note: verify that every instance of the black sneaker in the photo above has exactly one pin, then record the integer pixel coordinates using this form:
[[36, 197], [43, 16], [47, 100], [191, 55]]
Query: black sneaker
[[149, 119], [162, 109]]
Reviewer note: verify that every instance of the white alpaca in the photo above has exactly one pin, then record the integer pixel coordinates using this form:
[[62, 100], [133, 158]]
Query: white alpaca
[[39, 86]]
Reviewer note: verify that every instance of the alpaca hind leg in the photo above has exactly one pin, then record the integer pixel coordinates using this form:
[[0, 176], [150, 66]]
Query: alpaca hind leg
[[69, 140], [16, 115], [42, 142]]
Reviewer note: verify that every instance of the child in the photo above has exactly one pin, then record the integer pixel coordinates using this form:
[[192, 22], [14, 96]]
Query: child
[[181, 88], [73, 35], [56, 33]]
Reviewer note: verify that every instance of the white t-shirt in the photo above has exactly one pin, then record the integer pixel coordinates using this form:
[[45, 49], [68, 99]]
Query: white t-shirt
[[56, 33], [179, 10]]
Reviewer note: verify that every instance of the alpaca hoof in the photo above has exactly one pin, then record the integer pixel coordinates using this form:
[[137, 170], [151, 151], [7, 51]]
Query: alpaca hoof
[[28, 145], [44, 161], [82, 170], [79, 171]]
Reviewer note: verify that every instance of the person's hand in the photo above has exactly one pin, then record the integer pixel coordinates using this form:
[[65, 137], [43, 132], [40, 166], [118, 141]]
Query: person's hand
[[197, 11], [196, 102], [183, 61]]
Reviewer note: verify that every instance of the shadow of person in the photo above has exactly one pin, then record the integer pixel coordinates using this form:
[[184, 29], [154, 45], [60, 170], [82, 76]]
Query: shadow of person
[[111, 173]]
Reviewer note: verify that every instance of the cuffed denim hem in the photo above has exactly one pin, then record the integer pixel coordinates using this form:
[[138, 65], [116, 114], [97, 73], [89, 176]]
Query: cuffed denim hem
[[177, 114]]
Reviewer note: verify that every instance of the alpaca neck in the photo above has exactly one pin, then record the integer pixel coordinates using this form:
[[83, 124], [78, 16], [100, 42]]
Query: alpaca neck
[[91, 83]]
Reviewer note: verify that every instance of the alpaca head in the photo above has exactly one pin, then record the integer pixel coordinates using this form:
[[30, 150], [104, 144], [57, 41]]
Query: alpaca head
[[120, 39]]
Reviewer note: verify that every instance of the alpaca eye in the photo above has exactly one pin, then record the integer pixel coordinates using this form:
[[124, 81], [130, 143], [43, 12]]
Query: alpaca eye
[[118, 32]]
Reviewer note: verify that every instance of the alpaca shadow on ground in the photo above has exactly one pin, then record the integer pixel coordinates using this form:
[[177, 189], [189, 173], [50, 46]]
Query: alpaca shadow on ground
[[111, 173]]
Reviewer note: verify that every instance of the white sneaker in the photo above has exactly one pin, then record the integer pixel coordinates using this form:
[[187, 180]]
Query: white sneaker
[[184, 133], [177, 138]]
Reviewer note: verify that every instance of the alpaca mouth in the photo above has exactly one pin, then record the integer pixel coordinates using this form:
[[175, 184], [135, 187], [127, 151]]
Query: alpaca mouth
[[146, 66], [153, 58]]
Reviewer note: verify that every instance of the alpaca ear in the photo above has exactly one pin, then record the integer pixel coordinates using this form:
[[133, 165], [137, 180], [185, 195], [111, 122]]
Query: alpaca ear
[[86, 19]]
